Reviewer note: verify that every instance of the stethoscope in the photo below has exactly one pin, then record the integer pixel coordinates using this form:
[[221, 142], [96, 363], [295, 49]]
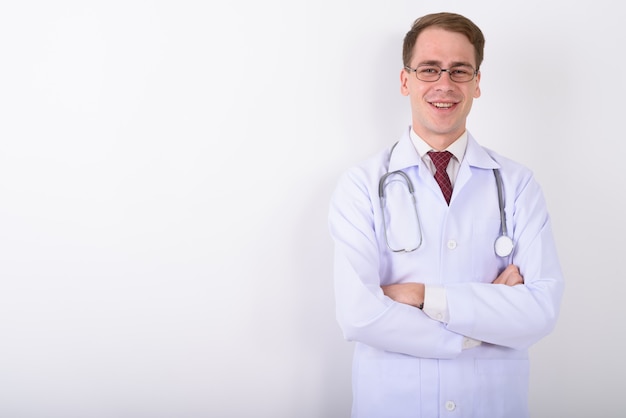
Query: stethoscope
[[503, 245]]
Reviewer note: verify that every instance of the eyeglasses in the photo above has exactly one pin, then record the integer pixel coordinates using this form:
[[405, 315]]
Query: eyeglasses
[[430, 73]]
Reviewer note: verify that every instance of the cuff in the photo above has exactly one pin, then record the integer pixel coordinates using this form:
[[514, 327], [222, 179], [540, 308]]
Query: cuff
[[436, 303]]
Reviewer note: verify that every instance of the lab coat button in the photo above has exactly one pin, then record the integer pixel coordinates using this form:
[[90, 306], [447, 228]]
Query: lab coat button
[[452, 244], [450, 406]]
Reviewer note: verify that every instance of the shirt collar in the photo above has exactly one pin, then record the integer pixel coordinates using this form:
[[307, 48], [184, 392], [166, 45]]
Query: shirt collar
[[457, 148], [406, 153]]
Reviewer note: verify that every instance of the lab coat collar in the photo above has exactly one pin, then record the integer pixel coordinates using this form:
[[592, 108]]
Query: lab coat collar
[[405, 155], [477, 156]]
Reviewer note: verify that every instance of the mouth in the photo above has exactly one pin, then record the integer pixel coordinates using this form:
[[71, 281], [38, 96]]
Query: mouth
[[442, 105]]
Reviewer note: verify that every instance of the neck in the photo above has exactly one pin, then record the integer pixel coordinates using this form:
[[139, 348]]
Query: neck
[[439, 142]]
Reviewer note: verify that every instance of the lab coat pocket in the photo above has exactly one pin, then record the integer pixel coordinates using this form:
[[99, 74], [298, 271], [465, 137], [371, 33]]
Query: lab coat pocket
[[502, 388], [486, 265]]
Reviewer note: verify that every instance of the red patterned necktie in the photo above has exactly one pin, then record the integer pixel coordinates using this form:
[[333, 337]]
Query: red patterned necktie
[[441, 160]]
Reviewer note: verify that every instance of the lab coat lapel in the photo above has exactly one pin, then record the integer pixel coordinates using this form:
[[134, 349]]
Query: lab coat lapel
[[405, 155], [475, 157]]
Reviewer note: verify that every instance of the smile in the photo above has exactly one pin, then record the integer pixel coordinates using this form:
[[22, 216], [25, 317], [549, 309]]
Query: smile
[[440, 105]]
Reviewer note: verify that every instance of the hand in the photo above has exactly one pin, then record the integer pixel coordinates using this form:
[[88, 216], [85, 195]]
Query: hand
[[510, 276], [407, 293]]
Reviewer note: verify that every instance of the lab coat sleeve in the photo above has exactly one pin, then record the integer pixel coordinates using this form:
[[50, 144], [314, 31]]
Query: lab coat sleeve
[[364, 313], [515, 316]]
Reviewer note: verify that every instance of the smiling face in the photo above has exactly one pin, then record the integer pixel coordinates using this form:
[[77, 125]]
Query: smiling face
[[440, 108]]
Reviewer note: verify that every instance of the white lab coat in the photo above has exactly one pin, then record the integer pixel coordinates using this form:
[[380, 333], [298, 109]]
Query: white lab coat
[[405, 363]]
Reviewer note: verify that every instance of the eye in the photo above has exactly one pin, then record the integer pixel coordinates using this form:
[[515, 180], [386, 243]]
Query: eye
[[428, 70], [462, 71]]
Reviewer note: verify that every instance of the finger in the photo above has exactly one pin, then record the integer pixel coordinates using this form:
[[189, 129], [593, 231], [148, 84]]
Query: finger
[[502, 278], [512, 269], [514, 278], [499, 280], [510, 276]]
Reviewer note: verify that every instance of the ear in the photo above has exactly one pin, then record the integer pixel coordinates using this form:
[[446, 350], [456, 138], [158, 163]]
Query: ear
[[404, 80], [477, 91]]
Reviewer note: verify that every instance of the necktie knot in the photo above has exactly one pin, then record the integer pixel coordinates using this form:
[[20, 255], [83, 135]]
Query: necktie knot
[[441, 160]]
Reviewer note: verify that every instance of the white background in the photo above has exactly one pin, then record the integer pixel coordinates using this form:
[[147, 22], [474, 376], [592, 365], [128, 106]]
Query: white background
[[165, 171]]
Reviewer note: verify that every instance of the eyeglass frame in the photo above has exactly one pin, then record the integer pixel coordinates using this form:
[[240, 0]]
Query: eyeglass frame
[[441, 70]]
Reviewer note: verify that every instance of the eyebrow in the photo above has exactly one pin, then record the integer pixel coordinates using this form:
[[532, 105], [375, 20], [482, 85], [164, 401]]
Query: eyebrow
[[452, 64]]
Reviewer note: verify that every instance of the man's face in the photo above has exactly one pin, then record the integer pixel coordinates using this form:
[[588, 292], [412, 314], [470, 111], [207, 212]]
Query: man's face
[[440, 108]]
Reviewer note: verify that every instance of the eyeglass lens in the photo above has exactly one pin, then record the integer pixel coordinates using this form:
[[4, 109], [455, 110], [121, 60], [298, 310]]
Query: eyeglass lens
[[460, 73]]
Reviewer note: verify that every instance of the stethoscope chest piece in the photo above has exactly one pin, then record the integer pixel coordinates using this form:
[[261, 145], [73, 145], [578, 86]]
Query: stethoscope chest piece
[[503, 246]]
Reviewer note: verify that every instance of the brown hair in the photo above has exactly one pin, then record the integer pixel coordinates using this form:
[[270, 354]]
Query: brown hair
[[448, 21]]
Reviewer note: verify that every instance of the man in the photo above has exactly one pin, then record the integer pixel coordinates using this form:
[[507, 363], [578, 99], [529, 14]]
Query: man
[[442, 317]]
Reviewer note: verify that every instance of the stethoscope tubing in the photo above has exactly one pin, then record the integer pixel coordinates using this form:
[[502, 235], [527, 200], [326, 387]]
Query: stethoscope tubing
[[503, 245]]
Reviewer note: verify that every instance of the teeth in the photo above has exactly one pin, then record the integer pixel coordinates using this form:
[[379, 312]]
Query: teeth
[[442, 105]]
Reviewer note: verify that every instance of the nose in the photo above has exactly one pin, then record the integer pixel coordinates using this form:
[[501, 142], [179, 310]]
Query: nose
[[445, 82]]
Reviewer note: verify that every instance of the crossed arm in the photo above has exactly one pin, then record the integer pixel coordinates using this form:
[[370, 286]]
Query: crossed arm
[[413, 293]]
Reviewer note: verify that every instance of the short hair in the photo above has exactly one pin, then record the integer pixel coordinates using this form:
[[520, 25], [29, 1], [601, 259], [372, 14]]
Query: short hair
[[451, 22]]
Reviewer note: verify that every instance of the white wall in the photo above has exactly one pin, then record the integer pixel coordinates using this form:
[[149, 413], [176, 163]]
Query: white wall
[[165, 170]]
